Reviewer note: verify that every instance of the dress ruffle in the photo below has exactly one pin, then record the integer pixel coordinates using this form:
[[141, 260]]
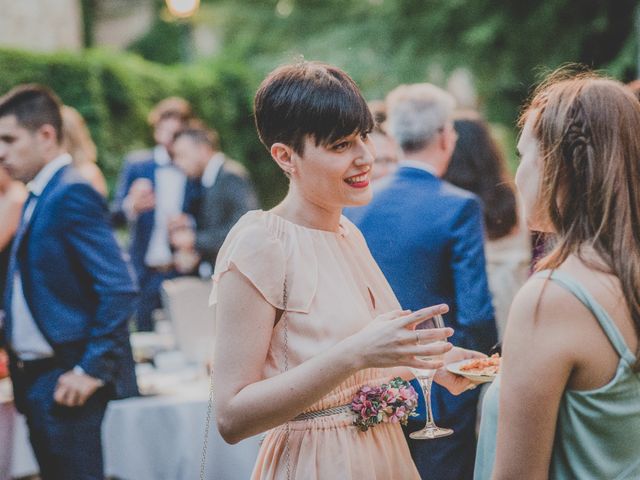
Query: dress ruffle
[[263, 249]]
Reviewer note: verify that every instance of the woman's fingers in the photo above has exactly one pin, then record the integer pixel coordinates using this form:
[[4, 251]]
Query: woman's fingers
[[395, 314], [432, 349], [424, 336], [429, 335], [417, 355], [423, 314], [424, 364]]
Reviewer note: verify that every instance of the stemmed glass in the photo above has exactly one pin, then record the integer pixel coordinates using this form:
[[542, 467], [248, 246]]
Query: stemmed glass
[[425, 378]]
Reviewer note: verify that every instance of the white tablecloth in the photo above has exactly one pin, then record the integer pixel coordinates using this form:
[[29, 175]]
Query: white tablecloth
[[159, 438], [7, 421]]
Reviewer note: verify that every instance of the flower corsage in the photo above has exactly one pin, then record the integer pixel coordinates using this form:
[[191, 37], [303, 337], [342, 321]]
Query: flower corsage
[[392, 402]]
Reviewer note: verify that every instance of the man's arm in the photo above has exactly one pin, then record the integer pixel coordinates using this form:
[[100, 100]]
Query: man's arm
[[239, 199], [92, 241], [476, 327]]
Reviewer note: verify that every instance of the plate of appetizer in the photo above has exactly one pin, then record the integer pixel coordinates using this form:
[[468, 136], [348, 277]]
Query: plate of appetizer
[[477, 369]]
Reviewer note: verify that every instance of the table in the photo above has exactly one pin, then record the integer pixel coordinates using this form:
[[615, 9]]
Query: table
[[7, 422], [158, 438]]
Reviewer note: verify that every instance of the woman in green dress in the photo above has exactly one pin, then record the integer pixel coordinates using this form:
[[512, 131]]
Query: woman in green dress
[[569, 403]]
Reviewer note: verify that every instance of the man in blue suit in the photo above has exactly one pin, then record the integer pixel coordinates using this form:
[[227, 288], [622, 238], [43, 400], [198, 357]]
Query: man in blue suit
[[151, 192], [427, 237], [68, 298]]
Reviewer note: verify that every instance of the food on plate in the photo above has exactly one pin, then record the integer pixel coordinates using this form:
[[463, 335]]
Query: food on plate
[[488, 366]]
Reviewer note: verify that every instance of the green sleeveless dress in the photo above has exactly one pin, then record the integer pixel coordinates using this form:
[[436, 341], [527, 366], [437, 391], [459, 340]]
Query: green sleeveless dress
[[598, 431]]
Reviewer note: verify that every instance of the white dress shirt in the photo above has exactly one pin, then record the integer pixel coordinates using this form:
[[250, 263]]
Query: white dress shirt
[[212, 169], [27, 340], [170, 184]]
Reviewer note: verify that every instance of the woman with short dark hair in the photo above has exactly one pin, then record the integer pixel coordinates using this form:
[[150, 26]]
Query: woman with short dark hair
[[307, 325]]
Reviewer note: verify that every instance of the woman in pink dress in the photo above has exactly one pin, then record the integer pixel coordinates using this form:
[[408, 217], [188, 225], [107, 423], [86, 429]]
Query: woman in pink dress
[[294, 374]]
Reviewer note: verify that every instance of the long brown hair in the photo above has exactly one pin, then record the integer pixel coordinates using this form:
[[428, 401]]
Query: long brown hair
[[77, 138], [478, 165], [587, 128]]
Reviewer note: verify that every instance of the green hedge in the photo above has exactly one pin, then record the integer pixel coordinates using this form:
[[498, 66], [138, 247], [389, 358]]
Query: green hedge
[[114, 92]]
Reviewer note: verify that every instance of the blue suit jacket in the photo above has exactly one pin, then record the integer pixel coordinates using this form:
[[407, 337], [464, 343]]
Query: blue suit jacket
[[142, 165], [76, 282], [427, 237]]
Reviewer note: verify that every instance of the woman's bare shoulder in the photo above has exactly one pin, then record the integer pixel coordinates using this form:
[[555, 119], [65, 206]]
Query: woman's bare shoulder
[[545, 300], [544, 315]]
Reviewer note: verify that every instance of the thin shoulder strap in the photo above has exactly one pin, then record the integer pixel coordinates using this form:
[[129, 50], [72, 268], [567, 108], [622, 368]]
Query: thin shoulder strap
[[606, 323]]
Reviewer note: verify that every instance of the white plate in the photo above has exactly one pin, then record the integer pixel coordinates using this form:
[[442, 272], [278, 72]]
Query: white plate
[[455, 368]]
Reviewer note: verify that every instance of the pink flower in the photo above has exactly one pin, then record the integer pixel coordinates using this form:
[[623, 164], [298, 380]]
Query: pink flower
[[389, 403], [390, 395], [407, 393], [399, 415]]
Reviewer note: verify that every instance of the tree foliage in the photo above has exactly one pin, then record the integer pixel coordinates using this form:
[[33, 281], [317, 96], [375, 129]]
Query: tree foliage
[[114, 93], [505, 43]]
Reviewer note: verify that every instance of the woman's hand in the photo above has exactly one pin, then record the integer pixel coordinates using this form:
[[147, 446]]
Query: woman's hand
[[391, 341], [456, 384]]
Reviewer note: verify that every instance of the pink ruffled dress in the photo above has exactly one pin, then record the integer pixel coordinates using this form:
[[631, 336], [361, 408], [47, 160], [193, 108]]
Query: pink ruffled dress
[[335, 288]]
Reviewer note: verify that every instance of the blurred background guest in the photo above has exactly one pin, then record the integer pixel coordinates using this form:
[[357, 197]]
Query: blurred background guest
[[385, 160], [152, 190], [478, 165], [77, 141], [227, 194]]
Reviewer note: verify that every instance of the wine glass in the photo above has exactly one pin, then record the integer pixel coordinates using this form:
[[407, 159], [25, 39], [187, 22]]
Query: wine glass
[[425, 378]]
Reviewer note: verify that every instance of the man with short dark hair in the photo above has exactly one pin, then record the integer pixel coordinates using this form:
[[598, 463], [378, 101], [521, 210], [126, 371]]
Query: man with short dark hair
[[227, 194], [69, 295], [152, 190]]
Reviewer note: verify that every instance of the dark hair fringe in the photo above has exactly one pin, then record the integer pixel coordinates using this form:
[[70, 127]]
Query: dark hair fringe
[[309, 99]]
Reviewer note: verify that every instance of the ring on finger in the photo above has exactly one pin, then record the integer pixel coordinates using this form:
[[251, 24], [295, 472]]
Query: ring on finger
[[417, 337]]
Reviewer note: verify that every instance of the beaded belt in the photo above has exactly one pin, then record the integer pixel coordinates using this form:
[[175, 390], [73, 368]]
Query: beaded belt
[[323, 413]]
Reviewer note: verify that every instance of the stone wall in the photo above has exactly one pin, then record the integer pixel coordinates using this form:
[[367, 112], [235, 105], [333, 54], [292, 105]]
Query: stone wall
[[41, 25], [120, 22]]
